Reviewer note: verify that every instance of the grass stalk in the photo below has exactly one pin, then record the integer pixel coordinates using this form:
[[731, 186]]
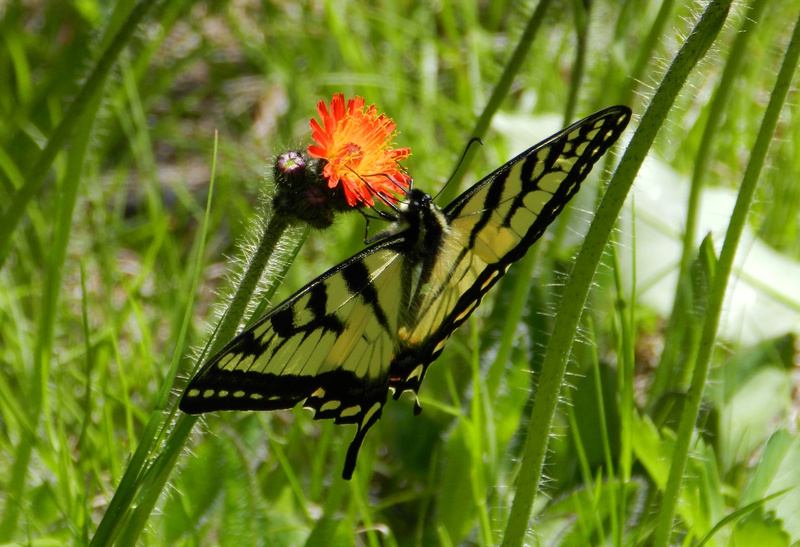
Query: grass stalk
[[158, 474], [116, 514], [626, 319], [527, 264], [152, 482]]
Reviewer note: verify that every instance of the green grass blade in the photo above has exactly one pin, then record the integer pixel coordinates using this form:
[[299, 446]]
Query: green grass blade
[[117, 513], [151, 483], [739, 513], [66, 127], [645, 51], [626, 321], [37, 398], [581, 11]]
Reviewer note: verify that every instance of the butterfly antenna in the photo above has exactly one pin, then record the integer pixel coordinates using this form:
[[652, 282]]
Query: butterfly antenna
[[472, 141]]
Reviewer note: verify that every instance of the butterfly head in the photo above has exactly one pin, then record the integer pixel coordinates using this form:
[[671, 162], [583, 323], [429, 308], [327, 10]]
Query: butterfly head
[[418, 211], [416, 200]]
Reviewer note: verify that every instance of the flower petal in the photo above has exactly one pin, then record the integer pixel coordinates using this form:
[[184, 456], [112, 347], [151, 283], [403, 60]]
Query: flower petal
[[356, 142]]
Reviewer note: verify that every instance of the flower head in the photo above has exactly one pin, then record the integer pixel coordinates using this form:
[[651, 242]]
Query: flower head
[[356, 144]]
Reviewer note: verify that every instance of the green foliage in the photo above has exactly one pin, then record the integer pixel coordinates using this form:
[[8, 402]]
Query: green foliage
[[111, 269]]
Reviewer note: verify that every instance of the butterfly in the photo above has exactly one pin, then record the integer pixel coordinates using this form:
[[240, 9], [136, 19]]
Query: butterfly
[[373, 324]]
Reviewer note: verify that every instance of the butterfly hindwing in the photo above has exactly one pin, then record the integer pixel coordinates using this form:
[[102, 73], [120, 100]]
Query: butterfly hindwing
[[326, 346], [379, 319]]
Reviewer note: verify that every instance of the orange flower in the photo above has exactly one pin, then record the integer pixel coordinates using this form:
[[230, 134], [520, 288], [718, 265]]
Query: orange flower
[[356, 143]]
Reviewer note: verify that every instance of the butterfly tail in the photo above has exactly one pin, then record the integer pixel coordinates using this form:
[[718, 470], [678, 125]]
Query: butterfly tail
[[355, 445]]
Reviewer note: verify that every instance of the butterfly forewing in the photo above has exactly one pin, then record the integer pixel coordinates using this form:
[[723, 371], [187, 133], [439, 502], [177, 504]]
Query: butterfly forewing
[[494, 223], [379, 319]]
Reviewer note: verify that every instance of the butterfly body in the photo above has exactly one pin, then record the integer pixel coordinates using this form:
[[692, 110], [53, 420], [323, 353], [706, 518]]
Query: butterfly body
[[375, 322]]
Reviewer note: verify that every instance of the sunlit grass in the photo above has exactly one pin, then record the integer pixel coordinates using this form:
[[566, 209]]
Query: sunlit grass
[[104, 219]]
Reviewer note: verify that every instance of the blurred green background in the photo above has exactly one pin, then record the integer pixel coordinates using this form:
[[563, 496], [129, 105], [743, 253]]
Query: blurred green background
[[97, 273]]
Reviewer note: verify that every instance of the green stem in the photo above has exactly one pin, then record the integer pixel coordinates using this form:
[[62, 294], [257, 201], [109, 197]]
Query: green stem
[[626, 314], [513, 315], [247, 287], [646, 49], [719, 285], [581, 11], [526, 266], [577, 288], [156, 477], [118, 508], [616, 524]]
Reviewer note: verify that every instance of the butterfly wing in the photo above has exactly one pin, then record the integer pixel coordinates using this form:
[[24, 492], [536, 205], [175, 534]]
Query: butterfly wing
[[329, 345], [492, 225]]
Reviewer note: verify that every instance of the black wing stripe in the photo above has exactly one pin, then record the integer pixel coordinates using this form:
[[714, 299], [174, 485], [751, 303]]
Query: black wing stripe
[[490, 204], [357, 278]]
